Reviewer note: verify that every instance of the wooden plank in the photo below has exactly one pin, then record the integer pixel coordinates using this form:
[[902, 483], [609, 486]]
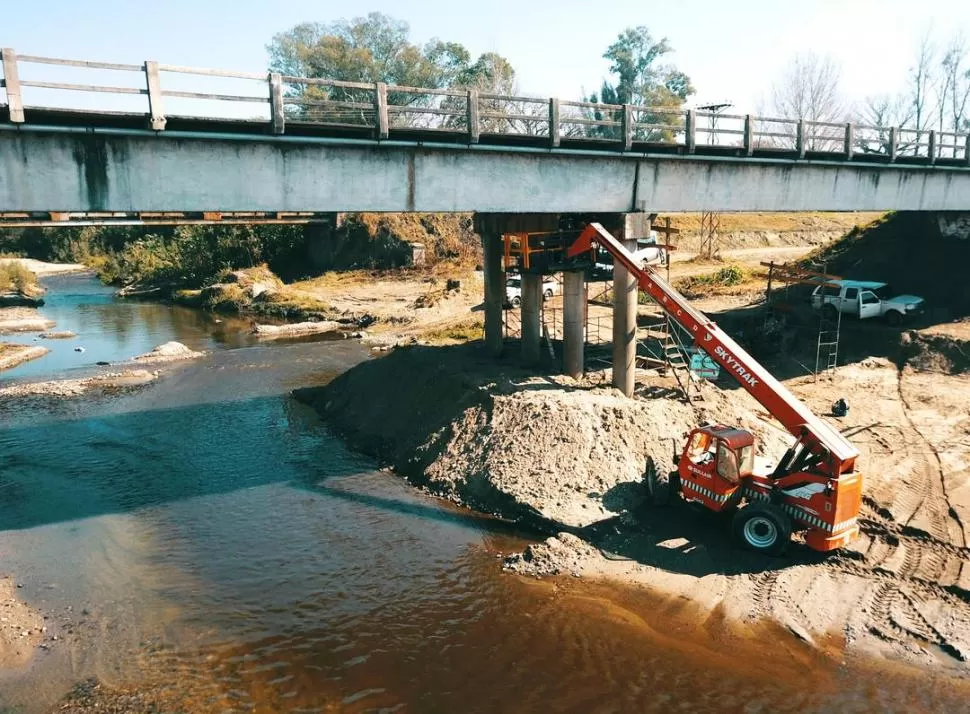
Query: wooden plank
[[81, 63], [15, 102], [278, 116], [155, 110], [209, 72], [474, 127], [554, 136], [218, 97], [380, 106], [83, 87]]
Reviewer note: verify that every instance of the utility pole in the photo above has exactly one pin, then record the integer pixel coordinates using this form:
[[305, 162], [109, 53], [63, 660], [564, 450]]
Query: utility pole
[[711, 220]]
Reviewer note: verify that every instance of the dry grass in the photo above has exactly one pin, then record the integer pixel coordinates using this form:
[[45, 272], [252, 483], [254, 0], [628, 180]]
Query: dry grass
[[16, 278], [777, 222], [466, 330]]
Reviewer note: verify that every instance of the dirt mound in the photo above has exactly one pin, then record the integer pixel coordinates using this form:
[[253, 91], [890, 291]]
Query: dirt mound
[[927, 352], [507, 442], [168, 352], [907, 251]]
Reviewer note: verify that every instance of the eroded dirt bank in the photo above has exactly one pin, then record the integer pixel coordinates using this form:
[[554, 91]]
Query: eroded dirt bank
[[570, 457]]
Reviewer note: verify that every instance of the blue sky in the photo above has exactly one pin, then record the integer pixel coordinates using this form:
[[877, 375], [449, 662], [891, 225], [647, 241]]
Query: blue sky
[[731, 50]]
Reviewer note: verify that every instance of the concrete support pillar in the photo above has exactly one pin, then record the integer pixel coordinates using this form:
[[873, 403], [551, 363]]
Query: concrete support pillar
[[494, 292], [531, 318], [574, 323], [625, 291]]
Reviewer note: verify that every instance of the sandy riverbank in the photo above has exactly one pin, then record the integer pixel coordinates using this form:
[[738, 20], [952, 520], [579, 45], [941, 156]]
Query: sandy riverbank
[[12, 355], [570, 457], [23, 319], [41, 268]]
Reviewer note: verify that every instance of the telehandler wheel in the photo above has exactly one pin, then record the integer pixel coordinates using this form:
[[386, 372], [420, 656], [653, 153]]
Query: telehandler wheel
[[763, 528], [661, 486]]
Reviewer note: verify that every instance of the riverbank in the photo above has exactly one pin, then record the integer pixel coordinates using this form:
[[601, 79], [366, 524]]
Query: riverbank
[[535, 449], [12, 355]]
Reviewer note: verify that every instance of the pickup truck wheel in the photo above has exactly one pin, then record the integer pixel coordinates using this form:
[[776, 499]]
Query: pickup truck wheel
[[763, 528], [893, 318]]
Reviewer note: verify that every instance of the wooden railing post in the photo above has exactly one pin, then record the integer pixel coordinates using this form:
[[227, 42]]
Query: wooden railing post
[[474, 127], [690, 131], [966, 151], [849, 140], [156, 112], [11, 81], [277, 116], [893, 143], [800, 138], [554, 123], [382, 123], [627, 127], [748, 135], [931, 149]]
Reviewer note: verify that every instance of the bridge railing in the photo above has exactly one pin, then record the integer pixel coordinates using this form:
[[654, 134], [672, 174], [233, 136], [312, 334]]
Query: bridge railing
[[163, 92]]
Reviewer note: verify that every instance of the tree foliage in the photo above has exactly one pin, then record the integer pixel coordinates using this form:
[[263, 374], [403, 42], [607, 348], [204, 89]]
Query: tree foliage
[[639, 76]]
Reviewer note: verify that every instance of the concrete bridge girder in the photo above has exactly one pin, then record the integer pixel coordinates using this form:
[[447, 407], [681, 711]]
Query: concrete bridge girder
[[127, 170]]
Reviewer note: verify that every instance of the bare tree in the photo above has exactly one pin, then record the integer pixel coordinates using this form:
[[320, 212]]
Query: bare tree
[[882, 113], [921, 83], [809, 89], [956, 83]]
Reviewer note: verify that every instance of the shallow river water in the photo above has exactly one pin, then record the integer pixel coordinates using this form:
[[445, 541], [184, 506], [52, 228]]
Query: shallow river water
[[209, 540]]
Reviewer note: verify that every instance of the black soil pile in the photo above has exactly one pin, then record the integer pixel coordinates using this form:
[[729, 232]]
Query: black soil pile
[[907, 251], [927, 352]]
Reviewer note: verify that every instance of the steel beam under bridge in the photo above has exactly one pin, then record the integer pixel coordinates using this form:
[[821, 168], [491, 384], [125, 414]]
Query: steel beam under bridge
[[49, 168]]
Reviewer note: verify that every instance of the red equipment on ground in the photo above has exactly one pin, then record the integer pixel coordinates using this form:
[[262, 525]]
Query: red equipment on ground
[[813, 487]]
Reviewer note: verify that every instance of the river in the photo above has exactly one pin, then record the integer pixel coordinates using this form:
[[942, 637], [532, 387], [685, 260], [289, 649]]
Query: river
[[209, 542]]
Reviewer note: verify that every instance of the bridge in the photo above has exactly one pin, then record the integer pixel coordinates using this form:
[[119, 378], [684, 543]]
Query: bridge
[[147, 146]]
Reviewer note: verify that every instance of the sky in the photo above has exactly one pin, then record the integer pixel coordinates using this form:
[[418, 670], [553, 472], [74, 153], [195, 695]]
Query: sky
[[731, 51]]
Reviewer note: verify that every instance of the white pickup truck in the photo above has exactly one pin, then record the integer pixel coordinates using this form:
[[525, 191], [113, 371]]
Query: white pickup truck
[[865, 300], [513, 290]]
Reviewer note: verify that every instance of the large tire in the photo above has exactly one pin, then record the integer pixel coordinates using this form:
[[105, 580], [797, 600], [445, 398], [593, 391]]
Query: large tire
[[661, 485], [763, 528], [893, 318]]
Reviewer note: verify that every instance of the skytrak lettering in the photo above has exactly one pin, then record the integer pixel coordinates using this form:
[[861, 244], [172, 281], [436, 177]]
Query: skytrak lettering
[[732, 363]]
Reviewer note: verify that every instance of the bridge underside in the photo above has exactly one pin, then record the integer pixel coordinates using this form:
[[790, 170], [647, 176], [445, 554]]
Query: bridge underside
[[70, 169]]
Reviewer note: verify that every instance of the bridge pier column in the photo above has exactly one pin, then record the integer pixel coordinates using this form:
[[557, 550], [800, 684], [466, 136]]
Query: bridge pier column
[[531, 318], [625, 293], [574, 323], [494, 270]]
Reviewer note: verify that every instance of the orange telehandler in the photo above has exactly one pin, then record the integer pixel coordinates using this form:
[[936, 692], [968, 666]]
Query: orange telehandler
[[814, 486]]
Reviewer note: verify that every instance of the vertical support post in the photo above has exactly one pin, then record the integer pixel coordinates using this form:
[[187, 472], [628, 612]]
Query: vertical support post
[[278, 118], [625, 292], [554, 123], [690, 131], [474, 128], [894, 143], [849, 141], [155, 106], [800, 139], [574, 322], [11, 80], [531, 318], [771, 274], [931, 150], [748, 135], [966, 151], [627, 127], [382, 123], [492, 245]]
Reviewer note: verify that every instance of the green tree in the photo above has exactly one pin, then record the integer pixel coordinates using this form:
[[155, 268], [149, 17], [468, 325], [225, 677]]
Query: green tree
[[375, 48], [641, 78]]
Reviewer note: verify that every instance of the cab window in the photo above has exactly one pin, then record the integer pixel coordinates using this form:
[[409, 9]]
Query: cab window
[[851, 294], [727, 463], [747, 459], [869, 298], [701, 448]]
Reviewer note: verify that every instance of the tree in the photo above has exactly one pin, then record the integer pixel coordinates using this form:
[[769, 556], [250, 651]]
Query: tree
[[921, 82], [956, 84], [882, 112], [375, 48], [640, 78], [809, 90]]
